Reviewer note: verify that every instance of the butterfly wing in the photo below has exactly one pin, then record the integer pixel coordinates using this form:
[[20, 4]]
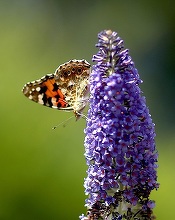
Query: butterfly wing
[[46, 91]]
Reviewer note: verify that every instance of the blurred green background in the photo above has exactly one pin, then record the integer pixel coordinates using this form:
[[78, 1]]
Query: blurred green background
[[42, 170]]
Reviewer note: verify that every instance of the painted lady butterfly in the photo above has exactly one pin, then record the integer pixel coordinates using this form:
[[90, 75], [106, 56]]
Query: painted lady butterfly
[[67, 89]]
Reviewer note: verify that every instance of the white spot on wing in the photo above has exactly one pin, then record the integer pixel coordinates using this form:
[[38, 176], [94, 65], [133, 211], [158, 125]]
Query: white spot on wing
[[40, 99], [38, 89], [53, 106]]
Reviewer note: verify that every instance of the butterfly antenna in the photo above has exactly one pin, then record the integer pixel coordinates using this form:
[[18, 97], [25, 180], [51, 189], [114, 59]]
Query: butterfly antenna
[[63, 122], [81, 115]]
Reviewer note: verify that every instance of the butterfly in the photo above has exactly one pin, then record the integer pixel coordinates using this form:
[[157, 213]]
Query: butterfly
[[67, 89]]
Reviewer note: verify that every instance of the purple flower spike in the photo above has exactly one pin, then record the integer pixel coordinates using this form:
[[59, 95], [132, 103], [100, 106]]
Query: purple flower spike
[[119, 144]]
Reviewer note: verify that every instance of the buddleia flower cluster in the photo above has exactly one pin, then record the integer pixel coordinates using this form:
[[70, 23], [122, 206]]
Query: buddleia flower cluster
[[120, 146]]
